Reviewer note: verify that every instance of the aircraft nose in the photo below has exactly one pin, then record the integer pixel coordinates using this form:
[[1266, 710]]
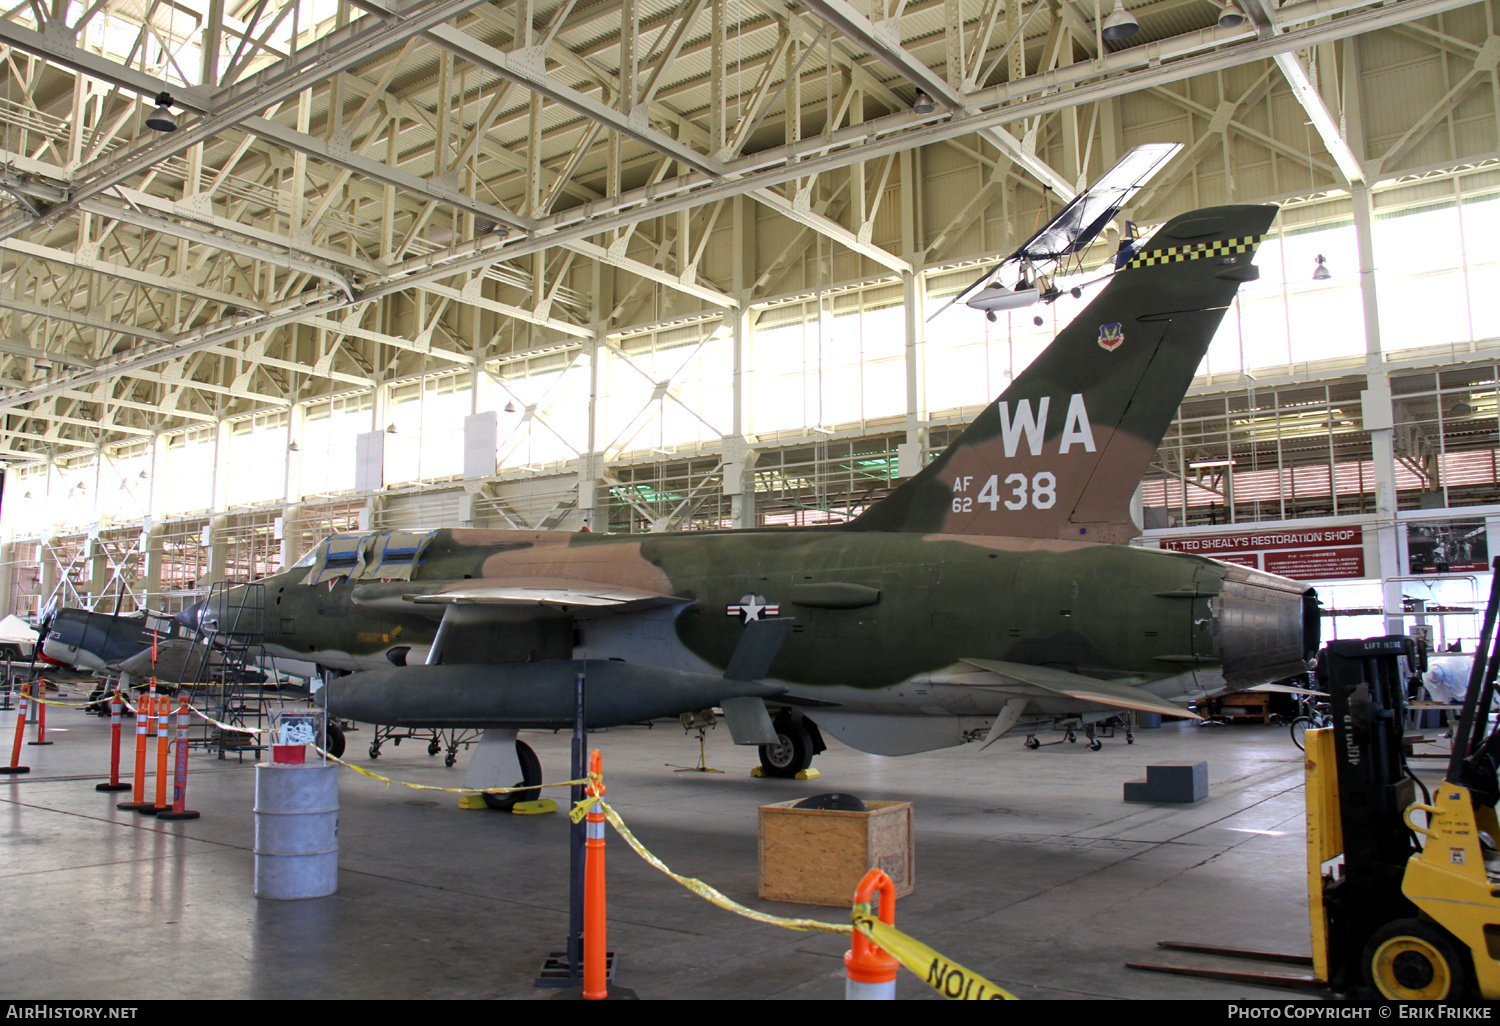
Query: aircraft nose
[[191, 617], [1264, 627]]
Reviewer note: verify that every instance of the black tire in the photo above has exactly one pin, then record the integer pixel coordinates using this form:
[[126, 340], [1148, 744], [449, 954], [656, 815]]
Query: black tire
[[1095, 744], [1033, 743], [433, 748], [374, 751], [792, 753], [1411, 960], [531, 773], [334, 741], [1299, 727]]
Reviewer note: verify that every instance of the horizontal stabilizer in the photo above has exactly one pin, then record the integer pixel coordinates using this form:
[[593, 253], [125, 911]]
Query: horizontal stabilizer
[[1087, 689]]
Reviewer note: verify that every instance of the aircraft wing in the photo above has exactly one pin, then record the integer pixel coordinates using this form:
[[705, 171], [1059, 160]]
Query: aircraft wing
[[432, 598], [1081, 221], [1287, 689], [1087, 689], [1085, 217]]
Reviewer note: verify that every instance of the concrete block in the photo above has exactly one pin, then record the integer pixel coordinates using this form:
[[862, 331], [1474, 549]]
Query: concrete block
[[1173, 782]]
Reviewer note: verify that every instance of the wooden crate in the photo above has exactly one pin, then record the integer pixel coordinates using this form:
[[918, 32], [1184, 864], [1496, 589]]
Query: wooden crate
[[818, 856]]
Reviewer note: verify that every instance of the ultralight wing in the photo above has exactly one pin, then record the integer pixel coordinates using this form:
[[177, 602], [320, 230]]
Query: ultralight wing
[[1081, 221], [1087, 689]]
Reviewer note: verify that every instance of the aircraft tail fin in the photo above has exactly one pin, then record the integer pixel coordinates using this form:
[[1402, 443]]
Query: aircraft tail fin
[[1060, 453]]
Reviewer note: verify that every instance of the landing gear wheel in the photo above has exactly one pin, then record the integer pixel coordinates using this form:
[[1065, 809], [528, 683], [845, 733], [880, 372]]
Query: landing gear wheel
[[1095, 744], [450, 760], [531, 773], [1409, 960], [791, 754], [1129, 738], [433, 748], [1072, 738], [1033, 743], [333, 741], [374, 751]]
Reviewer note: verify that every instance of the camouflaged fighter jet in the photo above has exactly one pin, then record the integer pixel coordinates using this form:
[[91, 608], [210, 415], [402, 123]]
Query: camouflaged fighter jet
[[993, 592]]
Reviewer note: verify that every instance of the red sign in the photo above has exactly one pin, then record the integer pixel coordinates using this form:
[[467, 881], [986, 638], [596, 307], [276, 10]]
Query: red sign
[[1303, 554], [1304, 538]]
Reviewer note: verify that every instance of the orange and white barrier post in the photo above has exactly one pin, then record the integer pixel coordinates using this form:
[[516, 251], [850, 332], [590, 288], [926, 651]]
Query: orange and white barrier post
[[15, 749], [116, 708], [143, 709], [595, 947], [41, 715], [163, 743], [179, 809], [871, 972]]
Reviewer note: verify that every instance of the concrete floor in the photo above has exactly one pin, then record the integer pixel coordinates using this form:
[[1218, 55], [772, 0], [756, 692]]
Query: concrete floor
[[1029, 869]]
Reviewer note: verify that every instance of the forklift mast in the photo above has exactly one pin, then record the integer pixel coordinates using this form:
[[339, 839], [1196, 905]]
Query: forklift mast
[[1366, 681]]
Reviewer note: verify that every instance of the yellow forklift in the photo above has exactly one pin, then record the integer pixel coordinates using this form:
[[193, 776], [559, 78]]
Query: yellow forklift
[[1404, 895]]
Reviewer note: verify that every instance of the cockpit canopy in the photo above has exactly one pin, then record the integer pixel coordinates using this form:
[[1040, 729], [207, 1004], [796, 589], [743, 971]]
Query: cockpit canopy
[[384, 556]]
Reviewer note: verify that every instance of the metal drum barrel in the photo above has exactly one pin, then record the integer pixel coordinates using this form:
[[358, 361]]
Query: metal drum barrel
[[296, 830]]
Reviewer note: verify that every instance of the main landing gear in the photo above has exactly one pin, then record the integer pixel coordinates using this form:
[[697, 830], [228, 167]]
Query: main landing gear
[[797, 741]]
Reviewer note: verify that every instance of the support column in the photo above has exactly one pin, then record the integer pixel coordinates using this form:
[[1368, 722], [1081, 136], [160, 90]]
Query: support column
[[153, 551], [216, 541], [912, 455], [590, 461], [221, 467], [98, 572], [295, 421], [7, 578], [1379, 418]]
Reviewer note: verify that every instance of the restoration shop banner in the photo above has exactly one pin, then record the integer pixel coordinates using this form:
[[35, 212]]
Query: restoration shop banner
[[1306, 554]]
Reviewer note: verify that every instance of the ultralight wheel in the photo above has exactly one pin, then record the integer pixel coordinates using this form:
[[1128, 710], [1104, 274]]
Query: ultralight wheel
[[1033, 743], [1410, 960], [450, 760], [792, 752], [531, 773], [433, 748], [1095, 744], [374, 751]]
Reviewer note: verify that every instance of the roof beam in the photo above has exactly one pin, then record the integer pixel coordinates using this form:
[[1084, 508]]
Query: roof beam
[[880, 42], [1263, 16], [338, 51]]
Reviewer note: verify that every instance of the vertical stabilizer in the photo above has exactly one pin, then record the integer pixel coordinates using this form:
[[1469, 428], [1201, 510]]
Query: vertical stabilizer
[[1060, 453]]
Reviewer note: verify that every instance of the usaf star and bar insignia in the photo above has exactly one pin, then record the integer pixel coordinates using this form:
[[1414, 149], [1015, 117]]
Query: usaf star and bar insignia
[[752, 607]]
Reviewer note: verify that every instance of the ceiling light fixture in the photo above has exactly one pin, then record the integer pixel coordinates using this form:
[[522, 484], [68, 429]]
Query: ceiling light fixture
[[390, 429], [510, 407], [1230, 16], [293, 447], [1120, 24], [162, 120], [1200, 464], [1321, 272], [924, 104], [1460, 409]]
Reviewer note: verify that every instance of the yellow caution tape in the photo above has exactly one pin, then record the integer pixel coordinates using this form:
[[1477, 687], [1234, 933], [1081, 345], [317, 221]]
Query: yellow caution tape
[[451, 790], [702, 889], [943, 975]]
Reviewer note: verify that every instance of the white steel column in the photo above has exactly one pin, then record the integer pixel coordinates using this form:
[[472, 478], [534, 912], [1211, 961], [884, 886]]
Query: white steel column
[[912, 456], [1379, 417]]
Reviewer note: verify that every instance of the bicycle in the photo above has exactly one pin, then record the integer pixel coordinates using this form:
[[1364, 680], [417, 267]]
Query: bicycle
[[1311, 715]]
